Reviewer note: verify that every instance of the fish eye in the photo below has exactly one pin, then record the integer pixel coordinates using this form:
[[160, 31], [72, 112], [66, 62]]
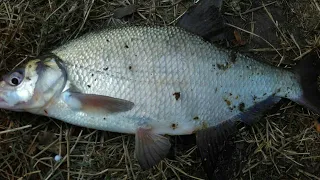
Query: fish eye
[[15, 81], [15, 78]]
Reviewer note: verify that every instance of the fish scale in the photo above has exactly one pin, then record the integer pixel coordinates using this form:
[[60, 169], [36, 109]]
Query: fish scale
[[147, 65]]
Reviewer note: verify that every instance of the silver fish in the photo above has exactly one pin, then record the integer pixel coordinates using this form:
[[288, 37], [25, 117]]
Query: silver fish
[[151, 82]]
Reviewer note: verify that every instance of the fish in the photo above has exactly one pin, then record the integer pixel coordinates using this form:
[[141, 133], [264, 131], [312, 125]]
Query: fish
[[155, 82]]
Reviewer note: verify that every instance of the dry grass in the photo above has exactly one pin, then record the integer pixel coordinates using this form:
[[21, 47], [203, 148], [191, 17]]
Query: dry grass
[[283, 145]]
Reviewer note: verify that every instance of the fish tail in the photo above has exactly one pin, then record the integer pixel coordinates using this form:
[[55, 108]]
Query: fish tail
[[308, 71]]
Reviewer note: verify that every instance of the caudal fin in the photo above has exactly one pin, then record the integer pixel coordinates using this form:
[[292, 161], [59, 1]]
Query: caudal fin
[[308, 71]]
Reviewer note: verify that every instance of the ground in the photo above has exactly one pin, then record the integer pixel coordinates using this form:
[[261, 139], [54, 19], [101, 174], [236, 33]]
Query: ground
[[283, 144]]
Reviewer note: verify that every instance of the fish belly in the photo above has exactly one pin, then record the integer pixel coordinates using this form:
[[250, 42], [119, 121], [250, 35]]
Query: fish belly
[[177, 82]]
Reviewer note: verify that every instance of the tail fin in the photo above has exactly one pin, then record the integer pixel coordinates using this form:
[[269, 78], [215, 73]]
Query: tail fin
[[308, 71]]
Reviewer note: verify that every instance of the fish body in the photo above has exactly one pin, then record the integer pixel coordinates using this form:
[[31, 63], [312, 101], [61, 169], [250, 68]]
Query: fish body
[[177, 82], [152, 81]]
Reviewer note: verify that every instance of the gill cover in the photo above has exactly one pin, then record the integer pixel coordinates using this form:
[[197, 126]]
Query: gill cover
[[33, 86]]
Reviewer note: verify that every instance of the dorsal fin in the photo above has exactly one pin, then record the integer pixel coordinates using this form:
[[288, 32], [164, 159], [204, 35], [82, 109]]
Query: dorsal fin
[[204, 19]]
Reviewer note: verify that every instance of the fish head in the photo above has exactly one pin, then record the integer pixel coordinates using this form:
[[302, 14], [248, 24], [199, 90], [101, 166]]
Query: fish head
[[33, 85]]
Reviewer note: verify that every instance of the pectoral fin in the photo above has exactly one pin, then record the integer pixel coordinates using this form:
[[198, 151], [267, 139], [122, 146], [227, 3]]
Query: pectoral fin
[[96, 103], [150, 148]]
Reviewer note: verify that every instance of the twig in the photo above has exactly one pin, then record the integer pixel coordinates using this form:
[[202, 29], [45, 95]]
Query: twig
[[181, 171], [28, 174], [68, 152], [57, 9], [275, 23], [85, 18], [256, 36], [252, 10], [15, 129], [64, 158], [296, 43], [317, 5], [308, 174], [303, 54], [257, 8], [46, 148], [99, 173]]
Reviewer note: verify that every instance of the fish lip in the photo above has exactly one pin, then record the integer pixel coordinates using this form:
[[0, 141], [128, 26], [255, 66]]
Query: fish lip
[[5, 106], [2, 100], [3, 103]]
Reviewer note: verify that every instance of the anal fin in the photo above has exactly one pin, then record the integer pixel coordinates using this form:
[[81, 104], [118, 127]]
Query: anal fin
[[150, 148], [210, 141]]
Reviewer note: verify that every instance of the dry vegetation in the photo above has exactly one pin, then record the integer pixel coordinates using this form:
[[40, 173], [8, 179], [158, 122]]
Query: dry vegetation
[[283, 145]]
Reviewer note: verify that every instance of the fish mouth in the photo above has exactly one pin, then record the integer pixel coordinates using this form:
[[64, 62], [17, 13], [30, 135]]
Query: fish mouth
[[4, 104], [2, 100]]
